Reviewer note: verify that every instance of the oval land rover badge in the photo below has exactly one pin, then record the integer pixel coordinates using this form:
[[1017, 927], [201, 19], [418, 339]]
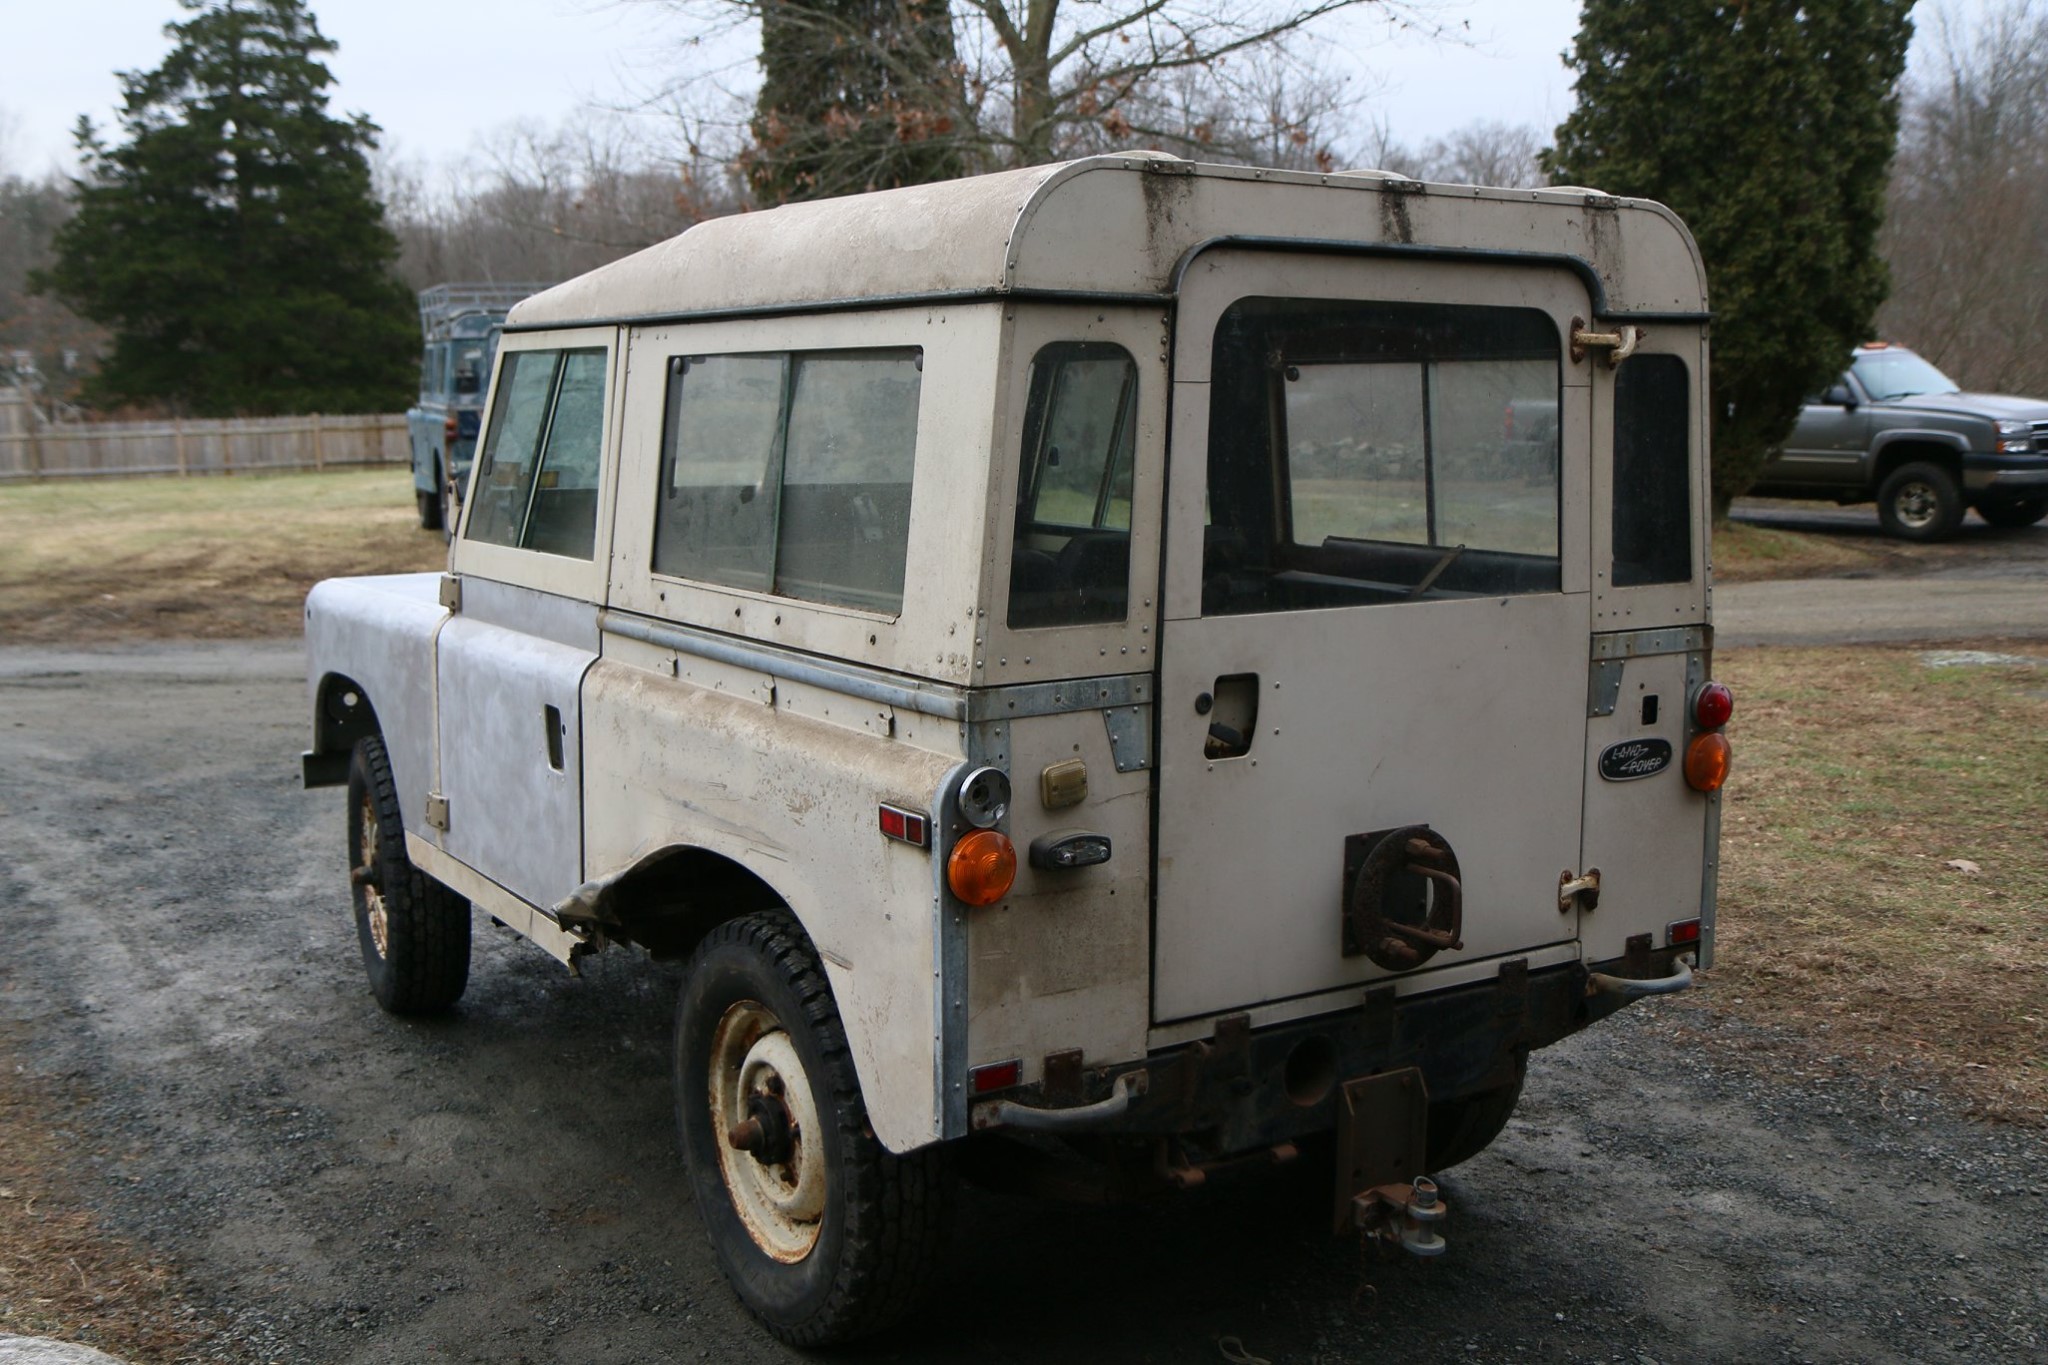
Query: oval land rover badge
[[1634, 758]]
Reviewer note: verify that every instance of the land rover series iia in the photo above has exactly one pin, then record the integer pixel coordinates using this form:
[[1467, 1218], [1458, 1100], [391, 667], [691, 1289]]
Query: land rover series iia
[[1130, 665], [459, 328]]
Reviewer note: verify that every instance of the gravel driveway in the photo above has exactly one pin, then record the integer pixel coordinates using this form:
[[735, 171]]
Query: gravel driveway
[[501, 1186]]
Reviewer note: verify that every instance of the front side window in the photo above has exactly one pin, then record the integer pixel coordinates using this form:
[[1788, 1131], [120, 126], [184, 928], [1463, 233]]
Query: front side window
[[536, 483], [1364, 453], [1070, 560], [791, 473]]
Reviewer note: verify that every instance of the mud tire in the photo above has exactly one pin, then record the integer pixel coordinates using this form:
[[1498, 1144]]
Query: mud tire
[[877, 1238], [414, 932]]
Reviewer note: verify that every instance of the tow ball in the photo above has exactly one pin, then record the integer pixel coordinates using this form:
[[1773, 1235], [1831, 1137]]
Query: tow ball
[[1402, 1216]]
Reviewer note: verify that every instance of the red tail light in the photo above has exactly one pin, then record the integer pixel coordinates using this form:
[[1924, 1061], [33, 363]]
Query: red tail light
[[1713, 705]]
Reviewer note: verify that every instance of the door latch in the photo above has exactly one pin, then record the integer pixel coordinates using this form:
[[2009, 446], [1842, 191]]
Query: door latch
[[1619, 344], [1582, 891]]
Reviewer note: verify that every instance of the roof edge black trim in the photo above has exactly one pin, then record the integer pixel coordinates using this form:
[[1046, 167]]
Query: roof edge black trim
[[849, 305], [1596, 288]]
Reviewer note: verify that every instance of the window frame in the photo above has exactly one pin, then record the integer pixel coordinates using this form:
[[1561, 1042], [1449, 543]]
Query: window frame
[[791, 360], [538, 569]]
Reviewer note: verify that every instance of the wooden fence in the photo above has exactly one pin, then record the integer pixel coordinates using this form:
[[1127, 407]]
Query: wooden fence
[[110, 450]]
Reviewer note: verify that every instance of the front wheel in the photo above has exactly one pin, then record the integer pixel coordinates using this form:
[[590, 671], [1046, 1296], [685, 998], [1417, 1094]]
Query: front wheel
[[824, 1234], [414, 932], [2012, 516], [1920, 501]]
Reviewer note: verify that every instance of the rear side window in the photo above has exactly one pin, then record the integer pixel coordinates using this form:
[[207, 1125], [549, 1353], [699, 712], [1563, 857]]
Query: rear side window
[[1070, 560], [536, 482], [1652, 472], [1366, 453], [790, 472]]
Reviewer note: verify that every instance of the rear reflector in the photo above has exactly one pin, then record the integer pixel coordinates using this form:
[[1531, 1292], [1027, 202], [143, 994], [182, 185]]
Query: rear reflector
[[1682, 932], [996, 1076], [907, 825]]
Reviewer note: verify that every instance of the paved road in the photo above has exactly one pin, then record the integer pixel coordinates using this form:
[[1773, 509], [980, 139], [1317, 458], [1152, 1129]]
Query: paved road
[[1984, 584], [500, 1185]]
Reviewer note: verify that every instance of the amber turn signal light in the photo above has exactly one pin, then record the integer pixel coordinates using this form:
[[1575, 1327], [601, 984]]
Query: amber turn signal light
[[982, 867], [1706, 761]]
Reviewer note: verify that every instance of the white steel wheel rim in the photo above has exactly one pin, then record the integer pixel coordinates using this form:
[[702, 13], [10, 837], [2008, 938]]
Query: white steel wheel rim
[[374, 913], [781, 1204]]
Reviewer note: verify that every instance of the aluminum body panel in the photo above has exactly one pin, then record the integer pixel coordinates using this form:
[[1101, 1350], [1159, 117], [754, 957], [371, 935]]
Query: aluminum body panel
[[379, 633], [1645, 835], [794, 798], [1063, 962], [513, 815], [549, 616]]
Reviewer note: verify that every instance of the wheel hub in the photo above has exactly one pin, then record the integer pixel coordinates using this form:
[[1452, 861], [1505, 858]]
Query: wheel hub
[[771, 1160], [1917, 505], [369, 884]]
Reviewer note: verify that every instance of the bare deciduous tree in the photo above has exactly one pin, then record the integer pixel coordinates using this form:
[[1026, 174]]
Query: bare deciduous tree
[[1035, 81], [1969, 194]]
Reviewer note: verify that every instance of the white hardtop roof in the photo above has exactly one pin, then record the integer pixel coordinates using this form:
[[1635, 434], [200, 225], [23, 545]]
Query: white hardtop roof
[[1118, 226]]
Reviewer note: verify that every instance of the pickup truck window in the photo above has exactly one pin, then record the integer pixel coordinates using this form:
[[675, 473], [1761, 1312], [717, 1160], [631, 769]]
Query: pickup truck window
[[536, 485], [1652, 472], [1070, 560], [1364, 453], [790, 473]]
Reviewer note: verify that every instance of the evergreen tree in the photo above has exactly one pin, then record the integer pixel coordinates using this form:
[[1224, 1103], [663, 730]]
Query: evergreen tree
[[1768, 126], [233, 243], [855, 95]]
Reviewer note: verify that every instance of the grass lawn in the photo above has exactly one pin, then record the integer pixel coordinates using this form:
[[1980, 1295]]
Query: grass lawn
[[206, 558], [1884, 868]]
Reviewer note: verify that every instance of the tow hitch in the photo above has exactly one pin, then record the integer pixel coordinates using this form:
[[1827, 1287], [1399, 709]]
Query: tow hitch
[[1402, 1216], [1382, 1141]]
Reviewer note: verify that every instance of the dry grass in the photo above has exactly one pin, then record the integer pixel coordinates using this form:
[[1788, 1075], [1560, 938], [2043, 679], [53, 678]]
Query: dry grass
[[61, 1275], [1745, 554], [1862, 776], [206, 558]]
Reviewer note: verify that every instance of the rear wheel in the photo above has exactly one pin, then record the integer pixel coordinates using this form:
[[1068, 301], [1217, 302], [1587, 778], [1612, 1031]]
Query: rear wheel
[[414, 932], [1461, 1129], [824, 1234], [2011, 516], [1920, 501]]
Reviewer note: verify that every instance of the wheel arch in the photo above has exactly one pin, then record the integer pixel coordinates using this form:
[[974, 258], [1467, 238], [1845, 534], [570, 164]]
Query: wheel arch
[[342, 714], [668, 901], [1903, 448]]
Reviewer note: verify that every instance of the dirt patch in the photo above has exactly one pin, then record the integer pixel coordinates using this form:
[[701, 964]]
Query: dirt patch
[[200, 558], [1882, 870], [61, 1275]]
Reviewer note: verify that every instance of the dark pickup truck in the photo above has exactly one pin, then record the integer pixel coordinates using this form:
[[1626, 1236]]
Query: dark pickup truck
[[1895, 429]]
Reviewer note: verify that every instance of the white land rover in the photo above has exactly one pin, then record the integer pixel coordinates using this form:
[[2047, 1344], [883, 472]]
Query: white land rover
[[1181, 662]]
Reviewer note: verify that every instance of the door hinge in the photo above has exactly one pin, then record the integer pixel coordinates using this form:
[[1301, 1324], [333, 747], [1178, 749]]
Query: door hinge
[[437, 812], [451, 592]]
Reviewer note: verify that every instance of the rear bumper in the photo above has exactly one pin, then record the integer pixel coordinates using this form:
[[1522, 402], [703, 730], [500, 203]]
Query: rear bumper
[[1244, 1089]]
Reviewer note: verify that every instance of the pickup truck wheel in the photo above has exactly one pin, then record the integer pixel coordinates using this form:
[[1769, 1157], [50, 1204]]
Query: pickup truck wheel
[[2011, 516], [1461, 1129], [823, 1233], [1920, 501], [414, 931]]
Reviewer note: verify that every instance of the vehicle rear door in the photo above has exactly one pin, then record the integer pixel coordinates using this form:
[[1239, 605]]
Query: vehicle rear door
[[1376, 619]]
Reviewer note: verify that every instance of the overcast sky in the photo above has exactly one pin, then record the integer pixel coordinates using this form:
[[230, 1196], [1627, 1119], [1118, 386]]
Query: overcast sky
[[436, 74]]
